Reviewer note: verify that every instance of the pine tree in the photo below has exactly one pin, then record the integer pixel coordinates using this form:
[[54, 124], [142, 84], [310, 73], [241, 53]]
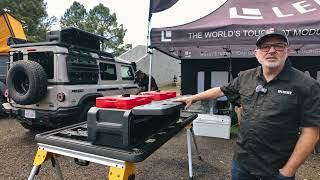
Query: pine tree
[[32, 14], [100, 21]]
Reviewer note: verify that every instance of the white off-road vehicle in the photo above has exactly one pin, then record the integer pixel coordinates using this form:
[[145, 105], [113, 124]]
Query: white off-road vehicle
[[55, 83]]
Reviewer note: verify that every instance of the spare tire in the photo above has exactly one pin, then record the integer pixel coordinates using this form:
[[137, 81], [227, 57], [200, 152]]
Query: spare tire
[[27, 82]]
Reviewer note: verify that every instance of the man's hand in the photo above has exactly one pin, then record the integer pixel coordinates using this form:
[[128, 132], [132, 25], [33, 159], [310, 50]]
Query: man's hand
[[212, 93], [187, 100], [305, 145], [286, 173]]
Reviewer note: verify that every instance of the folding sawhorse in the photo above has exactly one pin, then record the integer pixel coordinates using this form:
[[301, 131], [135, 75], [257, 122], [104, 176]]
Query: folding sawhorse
[[119, 170], [51, 145]]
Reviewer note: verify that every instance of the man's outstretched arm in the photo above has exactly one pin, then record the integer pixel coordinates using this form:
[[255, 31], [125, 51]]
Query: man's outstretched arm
[[212, 93]]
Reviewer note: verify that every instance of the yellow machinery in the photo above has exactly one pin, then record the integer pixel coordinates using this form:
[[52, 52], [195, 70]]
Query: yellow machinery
[[10, 26]]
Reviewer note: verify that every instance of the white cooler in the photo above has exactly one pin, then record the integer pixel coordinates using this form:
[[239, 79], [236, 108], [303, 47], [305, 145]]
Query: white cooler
[[212, 126]]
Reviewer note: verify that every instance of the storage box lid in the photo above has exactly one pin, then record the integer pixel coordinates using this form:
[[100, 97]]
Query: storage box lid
[[213, 119], [122, 101], [160, 95]]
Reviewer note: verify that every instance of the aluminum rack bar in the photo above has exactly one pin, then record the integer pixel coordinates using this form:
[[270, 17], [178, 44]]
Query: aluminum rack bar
[[82, 155]]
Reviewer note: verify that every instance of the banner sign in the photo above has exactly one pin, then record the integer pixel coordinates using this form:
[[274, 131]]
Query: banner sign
[[236, 25]]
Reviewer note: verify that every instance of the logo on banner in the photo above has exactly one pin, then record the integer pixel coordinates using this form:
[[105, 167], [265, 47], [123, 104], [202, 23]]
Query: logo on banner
[[300, 7], [246, 13], [166, 36]]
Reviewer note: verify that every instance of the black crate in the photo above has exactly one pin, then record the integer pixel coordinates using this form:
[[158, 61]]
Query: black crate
[[130, 128]]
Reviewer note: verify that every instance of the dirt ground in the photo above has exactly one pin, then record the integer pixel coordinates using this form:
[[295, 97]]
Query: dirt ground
[[17, 149]]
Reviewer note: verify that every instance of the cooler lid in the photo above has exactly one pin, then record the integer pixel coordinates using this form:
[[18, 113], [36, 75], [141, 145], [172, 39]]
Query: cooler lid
[[213, 119]]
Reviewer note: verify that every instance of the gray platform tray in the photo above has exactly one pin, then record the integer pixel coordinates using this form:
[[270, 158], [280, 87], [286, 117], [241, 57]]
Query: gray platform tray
[[75, 138]]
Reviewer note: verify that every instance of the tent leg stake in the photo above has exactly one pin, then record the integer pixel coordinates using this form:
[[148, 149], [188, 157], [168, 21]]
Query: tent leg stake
[[125, 173]]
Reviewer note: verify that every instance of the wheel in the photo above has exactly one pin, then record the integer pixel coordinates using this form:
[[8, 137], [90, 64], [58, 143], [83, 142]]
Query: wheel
[[84, 110], [27, 82]]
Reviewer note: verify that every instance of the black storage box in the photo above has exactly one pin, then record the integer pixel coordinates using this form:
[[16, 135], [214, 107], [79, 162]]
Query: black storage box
[[128, 128]]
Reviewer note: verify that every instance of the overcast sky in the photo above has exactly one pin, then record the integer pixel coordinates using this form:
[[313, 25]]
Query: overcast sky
[[133, 14]]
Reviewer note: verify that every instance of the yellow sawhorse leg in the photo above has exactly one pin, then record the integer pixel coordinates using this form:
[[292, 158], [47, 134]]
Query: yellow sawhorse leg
[[126, 173], [40, 158]]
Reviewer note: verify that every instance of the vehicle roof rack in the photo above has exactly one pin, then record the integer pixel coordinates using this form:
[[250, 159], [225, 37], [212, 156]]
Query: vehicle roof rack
[[76, 37], [12, 41]]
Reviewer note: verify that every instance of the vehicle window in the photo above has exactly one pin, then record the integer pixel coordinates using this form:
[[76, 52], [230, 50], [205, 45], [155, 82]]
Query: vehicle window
[[108, 71], [82, 69], [17, 56], [127, 73], [45, 59], [3, 68]]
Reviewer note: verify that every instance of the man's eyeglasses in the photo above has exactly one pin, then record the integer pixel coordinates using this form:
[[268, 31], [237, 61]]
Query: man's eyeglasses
[[277, 47]]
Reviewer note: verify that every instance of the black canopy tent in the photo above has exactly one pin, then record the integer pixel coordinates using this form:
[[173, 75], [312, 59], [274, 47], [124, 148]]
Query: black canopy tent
[[225, 39]]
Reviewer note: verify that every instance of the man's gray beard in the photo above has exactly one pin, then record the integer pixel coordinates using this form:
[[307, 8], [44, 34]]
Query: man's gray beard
[[270, 64]]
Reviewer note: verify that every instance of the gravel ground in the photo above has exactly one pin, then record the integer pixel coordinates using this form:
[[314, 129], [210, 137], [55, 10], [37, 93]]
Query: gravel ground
[[17, 149]]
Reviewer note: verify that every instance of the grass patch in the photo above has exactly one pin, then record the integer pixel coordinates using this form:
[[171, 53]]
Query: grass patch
[[235, 130], [170, 87]]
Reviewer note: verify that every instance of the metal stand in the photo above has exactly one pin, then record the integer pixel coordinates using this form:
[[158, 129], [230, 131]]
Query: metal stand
[[190, 134], [119, 170]]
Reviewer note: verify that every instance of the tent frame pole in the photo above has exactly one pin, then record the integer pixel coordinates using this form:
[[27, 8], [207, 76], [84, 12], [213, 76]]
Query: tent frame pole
[[150, 52]]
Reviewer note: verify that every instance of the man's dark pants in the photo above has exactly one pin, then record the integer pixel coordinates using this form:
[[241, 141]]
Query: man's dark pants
[[240, 174]]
